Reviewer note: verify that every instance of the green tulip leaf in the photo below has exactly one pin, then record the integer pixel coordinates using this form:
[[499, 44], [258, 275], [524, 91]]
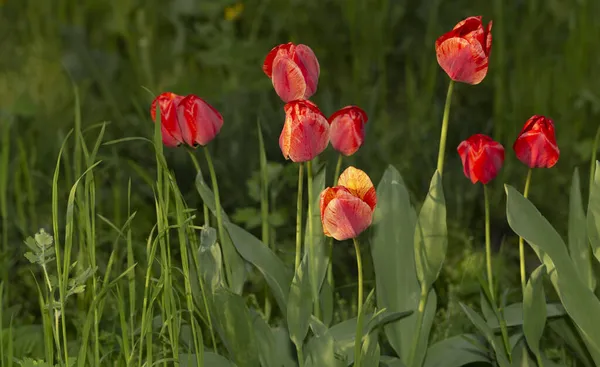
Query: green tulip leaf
[[456, 351], [299, 306], [579, 248], [593, 213], [534, 310]]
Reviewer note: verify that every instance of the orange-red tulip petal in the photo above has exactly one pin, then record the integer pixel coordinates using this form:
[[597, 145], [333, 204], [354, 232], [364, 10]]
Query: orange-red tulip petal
[[482, 158], [536, 144], [169, 126], [305, 132], [464, 52], [199, 121], [347, 129], [294, 71], [346, 211]]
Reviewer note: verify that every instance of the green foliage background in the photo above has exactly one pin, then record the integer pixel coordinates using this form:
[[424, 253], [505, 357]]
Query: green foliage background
[[377, 54]]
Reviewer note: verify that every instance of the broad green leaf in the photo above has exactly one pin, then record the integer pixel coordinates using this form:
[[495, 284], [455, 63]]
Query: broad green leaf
[[210, 359], [521, 357], [327, 302], [267, 347], [236, 328], [430, 309], [370, 352], [534, 310], [318, 261], [431, 240], [455, 351], [579, 248], [384, 318], [393, 253], [513, 314], [593, 214], [283, 348], [299, 306], [234, 264], [564, 329], [344, 334], [480, 324], [579, 301], [277, 275], [320, 352], [387, 361]]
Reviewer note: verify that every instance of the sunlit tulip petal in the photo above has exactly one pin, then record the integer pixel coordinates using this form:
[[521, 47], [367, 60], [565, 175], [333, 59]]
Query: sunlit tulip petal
[[305, 133], [482, 158], [201, 122], [346, 216], [347, 129], [359, 184]]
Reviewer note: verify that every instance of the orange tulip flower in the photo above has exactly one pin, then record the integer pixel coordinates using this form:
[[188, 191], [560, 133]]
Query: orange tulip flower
[[347, 209], [305, 132]]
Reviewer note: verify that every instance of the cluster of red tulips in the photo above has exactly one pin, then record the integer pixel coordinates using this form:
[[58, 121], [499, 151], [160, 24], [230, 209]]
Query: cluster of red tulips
[[347, 208]]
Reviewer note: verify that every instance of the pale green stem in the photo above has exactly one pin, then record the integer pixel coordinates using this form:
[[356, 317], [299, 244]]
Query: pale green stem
[[338, 168], [299, 216], [444, 133], [359, 319], [417, 334], [521, 246], [311, 240], [488, 245]]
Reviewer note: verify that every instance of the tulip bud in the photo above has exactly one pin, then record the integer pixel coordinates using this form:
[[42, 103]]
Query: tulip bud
[[464, 52], [294, 71], [481, 157], [536, 144], [347, 129], [347, 209], [199, 121], [169, 126], [305, 132]]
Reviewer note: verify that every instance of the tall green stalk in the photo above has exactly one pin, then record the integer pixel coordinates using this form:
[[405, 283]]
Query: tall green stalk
[[444, 132], [359, 319], [311, 242], [299, 216], [264, 207], [488, 244], [419, 324], [521, 245], [338, 168]]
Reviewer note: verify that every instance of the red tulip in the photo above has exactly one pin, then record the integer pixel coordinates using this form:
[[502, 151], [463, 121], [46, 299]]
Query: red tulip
[[463, 52], [188, 120], [536, 144], [170, 131], [347, 129], [199, 121], [347, 209], [294, 71], [305, 133], [482, 158]]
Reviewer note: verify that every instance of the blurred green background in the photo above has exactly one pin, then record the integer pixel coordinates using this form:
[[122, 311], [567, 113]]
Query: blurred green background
[[378, 54]]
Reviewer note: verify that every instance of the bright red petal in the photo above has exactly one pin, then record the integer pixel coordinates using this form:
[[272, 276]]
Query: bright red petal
[[306, 60], [268, 63], [287, 78], [305, 133], [462, 60]]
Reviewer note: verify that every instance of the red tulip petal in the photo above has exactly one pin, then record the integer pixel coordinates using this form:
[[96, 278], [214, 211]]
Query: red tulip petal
[[346, 216], [359, 184], [462, 60], [287, 79], [488, 39], [170, 129], [268, 63], [346, 130], [305, 132], [326, 196], [204, 120], [306, 60], [536, 145], [482, 158]]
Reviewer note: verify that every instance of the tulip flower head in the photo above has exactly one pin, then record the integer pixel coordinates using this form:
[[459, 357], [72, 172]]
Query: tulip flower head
[[347, 209], [347, 129], [294, 71], [481, 157], [536, 144], [186, 120], [305, 132], [464, 52]]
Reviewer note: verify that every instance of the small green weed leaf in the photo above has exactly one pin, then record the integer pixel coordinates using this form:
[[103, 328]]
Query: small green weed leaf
[[513, 314], [370, 352], [277, 275], [534, 310], [431, 240], [267, 348], [299, 304], [480, 324], [579, 249], [456, 351], [393, 253]]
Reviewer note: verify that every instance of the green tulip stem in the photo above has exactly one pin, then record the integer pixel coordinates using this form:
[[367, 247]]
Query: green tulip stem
[[338, 168], [311, 241], [299, 216], [359, 318], [419, 324], [444, 133], [488, 243], [521, 247]]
